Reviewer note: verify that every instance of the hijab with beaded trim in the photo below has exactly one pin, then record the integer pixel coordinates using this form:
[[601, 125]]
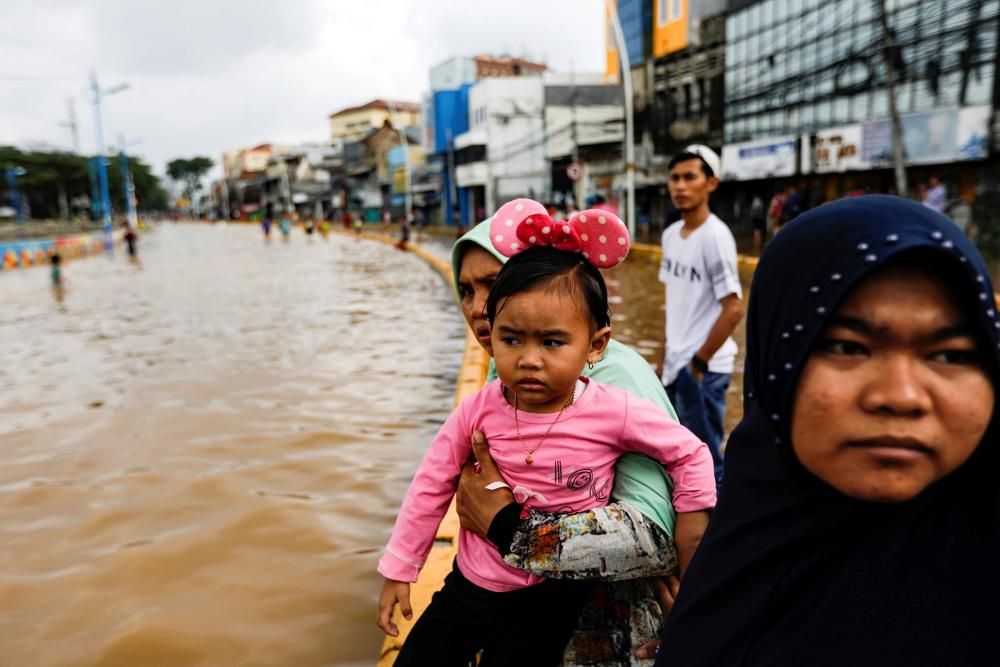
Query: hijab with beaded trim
[[790, 571]]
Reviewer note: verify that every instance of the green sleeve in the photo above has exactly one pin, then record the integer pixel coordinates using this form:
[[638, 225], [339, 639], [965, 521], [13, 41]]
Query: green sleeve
[[639, 480]]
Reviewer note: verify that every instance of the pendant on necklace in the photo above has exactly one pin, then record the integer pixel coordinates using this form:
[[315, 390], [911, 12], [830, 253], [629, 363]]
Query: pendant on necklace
[[529, 460]]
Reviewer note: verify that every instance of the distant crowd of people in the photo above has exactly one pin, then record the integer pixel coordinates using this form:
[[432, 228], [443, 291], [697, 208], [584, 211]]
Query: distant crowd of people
[[788, 203]]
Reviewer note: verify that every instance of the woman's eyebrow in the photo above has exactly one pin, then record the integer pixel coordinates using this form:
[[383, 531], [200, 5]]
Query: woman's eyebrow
[[960, 330], [866, 328], [855, 324]]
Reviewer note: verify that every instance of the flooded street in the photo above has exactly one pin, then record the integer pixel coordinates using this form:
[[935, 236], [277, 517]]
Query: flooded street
[[203, 455]]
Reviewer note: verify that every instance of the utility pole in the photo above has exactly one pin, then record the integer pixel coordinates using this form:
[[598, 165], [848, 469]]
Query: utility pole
[[898, 158], [452, 187], [578, 189], [102, 166], [626, 75], [225, 196], [72, 125]]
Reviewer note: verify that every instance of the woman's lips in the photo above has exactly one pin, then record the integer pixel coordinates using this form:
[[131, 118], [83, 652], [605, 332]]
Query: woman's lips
[[894, 449]]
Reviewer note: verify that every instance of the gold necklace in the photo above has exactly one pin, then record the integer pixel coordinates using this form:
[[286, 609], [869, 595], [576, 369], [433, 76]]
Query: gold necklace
[[529, 459]]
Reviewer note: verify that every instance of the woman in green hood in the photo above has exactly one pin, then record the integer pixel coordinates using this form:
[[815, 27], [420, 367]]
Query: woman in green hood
[[629, 544]]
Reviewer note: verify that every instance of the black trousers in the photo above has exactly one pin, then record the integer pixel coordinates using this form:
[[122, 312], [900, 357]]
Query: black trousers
[[526, 627]]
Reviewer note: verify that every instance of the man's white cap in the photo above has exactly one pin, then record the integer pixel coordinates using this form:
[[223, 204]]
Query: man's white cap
[[710, 157]]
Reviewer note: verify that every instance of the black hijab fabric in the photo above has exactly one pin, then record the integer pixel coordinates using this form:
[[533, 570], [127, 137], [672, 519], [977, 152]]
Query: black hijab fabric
[[791, 572]]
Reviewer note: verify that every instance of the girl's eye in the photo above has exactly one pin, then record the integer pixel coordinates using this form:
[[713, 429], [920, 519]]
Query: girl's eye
[[963, 357], [465, 291], [509, 340], [551, 342], [847, 348]]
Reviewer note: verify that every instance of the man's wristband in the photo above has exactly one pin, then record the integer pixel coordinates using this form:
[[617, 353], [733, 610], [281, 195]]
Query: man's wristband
[[699, 364]]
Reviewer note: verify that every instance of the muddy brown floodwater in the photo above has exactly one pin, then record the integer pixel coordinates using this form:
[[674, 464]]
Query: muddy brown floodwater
[[201, 456]]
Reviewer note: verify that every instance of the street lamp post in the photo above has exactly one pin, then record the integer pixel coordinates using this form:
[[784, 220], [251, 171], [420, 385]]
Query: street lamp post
[[616, 27], [102, 166]]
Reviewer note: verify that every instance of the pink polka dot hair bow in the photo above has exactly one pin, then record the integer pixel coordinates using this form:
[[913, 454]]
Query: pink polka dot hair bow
[[599, 235]]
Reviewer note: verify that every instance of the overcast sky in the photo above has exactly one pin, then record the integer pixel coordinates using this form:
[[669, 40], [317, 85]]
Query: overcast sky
[[212, 75]]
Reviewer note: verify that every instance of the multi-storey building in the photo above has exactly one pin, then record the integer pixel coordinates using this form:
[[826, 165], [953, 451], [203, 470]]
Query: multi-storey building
[[806, 99], [353, 123], [447, 115]]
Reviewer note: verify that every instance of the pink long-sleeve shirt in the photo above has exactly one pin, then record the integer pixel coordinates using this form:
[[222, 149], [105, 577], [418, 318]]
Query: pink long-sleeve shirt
[[572, 471]]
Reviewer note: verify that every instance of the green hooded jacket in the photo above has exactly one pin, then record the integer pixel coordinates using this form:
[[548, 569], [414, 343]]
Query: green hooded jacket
[[639, 480]]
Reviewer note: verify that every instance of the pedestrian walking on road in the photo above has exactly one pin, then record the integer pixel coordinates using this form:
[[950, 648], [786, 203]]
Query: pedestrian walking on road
[[56, 272], [758, 222], [131, 239], [703, 300], [404, 234], [936, 197], [285, 224]]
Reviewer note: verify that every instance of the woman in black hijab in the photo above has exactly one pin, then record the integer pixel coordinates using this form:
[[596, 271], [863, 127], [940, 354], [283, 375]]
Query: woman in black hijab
[[858, 520]]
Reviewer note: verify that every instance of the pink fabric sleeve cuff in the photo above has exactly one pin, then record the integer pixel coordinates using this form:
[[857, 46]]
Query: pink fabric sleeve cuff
[[694, 487], [398, 567]]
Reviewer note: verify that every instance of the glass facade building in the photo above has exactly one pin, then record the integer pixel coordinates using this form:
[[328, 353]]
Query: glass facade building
[[797, 66], [636, 17]]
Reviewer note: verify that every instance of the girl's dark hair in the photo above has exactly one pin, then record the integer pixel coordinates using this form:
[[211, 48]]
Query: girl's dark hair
[[558, 270]]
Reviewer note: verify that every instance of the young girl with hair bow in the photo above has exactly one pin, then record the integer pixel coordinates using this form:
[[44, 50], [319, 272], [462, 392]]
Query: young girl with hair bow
[[554, 435]]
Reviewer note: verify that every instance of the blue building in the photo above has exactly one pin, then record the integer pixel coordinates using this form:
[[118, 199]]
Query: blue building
[[446, 115], [636, 17]]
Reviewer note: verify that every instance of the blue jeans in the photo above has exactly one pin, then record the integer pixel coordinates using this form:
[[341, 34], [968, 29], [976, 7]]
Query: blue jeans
[[701, 407]]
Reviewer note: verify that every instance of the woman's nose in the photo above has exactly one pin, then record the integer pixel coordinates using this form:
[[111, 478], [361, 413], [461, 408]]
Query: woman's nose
[[897, 388], [479, 304]]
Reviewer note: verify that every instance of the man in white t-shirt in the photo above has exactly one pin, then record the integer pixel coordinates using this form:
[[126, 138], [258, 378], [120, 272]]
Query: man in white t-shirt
[[703, 300]]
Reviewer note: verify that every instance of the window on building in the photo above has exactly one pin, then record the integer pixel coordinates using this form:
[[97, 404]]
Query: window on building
[[687, 100], [841, 110], [661, 12], [978, 88], [675, 10], [823, 113]]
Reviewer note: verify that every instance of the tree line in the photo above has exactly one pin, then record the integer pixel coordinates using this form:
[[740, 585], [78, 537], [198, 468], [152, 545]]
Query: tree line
[[56, 185]]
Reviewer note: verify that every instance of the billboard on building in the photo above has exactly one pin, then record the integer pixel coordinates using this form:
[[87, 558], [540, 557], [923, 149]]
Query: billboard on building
[[973, 127], [837, 149], [753, 160], [928, 138]]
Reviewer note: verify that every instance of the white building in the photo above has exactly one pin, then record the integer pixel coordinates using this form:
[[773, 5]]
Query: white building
[[585, 124], [502, 156]]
